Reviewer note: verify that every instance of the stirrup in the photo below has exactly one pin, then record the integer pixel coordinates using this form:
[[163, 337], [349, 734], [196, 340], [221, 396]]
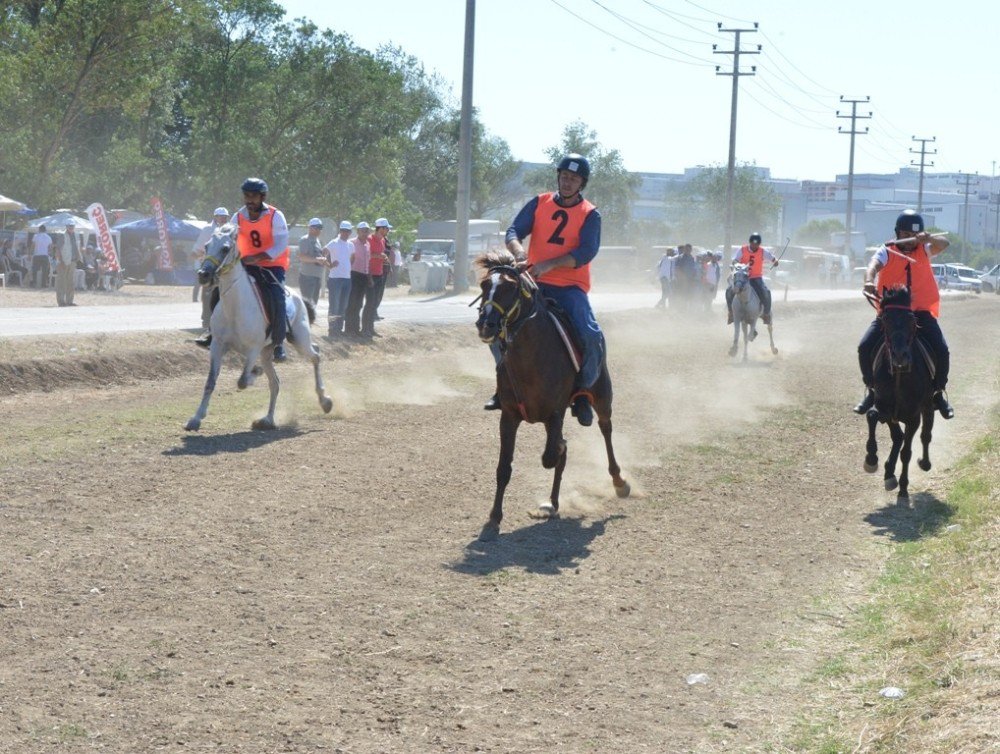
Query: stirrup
[[493, 404], [204, 340], [866, 403], [941, 404], [581, 409]]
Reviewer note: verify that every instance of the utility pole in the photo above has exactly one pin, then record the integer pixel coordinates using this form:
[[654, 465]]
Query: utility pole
[[850, 171], [923, 154], [464, 194], [967, 180], [736, 73]]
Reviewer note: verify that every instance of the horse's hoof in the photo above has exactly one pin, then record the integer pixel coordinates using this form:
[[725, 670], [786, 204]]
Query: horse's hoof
[[327, 404], [547, 510], [924, 465], [891, 483], [774, 351], [264, 424], [193, 425], [624, 490], [732, 351], [872, 467], [490, 532], [242, 382]]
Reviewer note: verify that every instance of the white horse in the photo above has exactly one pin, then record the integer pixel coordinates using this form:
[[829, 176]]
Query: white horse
[[238, 322], [746, 309]]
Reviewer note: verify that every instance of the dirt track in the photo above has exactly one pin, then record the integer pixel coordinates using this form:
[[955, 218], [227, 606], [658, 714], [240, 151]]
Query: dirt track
[[320, 588]]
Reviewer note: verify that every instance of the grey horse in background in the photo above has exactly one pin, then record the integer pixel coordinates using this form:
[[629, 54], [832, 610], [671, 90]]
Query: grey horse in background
[[746, 310]]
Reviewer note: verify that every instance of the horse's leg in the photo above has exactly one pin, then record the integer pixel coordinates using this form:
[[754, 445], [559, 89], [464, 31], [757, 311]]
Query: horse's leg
[[303, 344], [622, 488], [216, 351], [871, 447], [554, 456], [250, 367], [903, 497], [736, 337], [746, 341], [770, 334], [927, 426], [267, 361], [509, 423], [889, 477]]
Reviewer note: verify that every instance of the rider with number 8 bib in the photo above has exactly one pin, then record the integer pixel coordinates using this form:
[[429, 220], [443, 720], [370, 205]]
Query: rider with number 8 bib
[[565, 232], [262, 241]]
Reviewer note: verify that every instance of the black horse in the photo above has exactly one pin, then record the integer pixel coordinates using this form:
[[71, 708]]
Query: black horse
[[535, 377], [903, 391]]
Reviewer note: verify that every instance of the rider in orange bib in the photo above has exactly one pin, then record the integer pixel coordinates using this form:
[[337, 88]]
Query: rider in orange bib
[[754, 255], [907, 262], [565, 232], [262, 240]]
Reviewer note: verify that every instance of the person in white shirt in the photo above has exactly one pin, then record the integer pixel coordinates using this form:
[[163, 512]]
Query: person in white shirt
[[665, 273], [219, 218], [338, 282], [40, 265]]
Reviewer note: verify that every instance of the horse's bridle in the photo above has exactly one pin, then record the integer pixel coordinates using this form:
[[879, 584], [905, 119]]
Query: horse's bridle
[[514, 315], [219, 269]]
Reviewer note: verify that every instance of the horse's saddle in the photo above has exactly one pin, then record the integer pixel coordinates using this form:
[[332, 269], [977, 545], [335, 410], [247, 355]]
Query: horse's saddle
[[567, 332], [267, 305], [928, 357]]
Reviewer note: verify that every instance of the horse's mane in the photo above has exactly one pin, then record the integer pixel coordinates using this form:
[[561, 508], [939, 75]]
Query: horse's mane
[[898, 295], [495, 258]]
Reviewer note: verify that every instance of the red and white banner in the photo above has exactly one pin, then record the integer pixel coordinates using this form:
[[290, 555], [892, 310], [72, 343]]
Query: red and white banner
[[166, 261], [99, 218]]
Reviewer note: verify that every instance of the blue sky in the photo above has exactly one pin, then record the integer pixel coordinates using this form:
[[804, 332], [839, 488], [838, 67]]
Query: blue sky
[[642, 74]]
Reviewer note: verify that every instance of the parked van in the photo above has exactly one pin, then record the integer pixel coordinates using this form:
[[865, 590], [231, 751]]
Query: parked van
[[991, 280]]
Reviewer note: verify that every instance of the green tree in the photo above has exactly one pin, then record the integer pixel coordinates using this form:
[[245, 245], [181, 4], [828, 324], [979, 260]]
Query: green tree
[[702, 205], [611, 187], [817, 232]]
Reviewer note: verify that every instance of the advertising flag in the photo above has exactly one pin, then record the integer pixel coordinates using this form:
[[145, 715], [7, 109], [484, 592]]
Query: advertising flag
[[106, 245], [166, 260]]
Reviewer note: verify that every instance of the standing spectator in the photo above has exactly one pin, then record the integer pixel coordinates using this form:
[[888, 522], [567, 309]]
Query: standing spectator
[[710, 274], [66, 259], [396, 262], [219, 218], [379, 267], [312, 262], [338, 284], [361, 281], [686, 276], [40, 266], [665, 274]]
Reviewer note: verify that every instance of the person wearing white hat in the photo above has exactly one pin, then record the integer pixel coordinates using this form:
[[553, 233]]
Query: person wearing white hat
[[338, 282], [380, 265], [219, 218], [312, 262], [66, 259], [361, 281]]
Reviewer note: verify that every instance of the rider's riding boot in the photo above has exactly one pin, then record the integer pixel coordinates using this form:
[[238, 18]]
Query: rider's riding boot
[[941, 404], [493, 404], [204, 340], [729, 316], [582, 411], [766, 318], [866, 403], [280, 357]]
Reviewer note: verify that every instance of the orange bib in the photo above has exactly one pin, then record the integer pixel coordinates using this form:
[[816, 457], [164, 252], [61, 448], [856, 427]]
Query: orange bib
[[753, 258], [924, 294], [256, 236], [555, 231]]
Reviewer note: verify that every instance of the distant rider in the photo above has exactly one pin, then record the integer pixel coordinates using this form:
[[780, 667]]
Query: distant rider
[[907, 262], [753, 255]]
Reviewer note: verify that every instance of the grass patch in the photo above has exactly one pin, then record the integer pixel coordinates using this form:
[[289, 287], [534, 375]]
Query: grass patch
[[930, 626]]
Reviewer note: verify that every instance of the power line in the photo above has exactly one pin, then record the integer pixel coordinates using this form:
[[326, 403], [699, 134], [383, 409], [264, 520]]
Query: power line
[[800, 72], [642, 29], [625, 41]]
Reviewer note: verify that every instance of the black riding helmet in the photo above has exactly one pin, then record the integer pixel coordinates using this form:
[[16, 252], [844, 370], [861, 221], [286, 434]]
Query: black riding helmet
[[909, 220], [754, 237], [575, 163], [255, 185]]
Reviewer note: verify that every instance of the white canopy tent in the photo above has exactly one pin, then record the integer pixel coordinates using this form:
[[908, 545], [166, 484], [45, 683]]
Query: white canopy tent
[[10, 205], [58, 222]]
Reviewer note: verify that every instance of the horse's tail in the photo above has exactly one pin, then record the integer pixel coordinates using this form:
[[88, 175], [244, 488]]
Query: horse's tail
[[310, 310]]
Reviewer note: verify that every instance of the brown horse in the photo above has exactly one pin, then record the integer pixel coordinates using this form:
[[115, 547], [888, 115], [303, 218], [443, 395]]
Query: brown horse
[[535, 377]]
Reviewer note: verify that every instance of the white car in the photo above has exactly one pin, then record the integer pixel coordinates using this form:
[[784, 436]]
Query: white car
[[948, 278], [968, 275], [991, 280]]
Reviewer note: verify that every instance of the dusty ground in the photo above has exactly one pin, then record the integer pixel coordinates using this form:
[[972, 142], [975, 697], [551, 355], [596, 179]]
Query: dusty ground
[[319, 588]]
